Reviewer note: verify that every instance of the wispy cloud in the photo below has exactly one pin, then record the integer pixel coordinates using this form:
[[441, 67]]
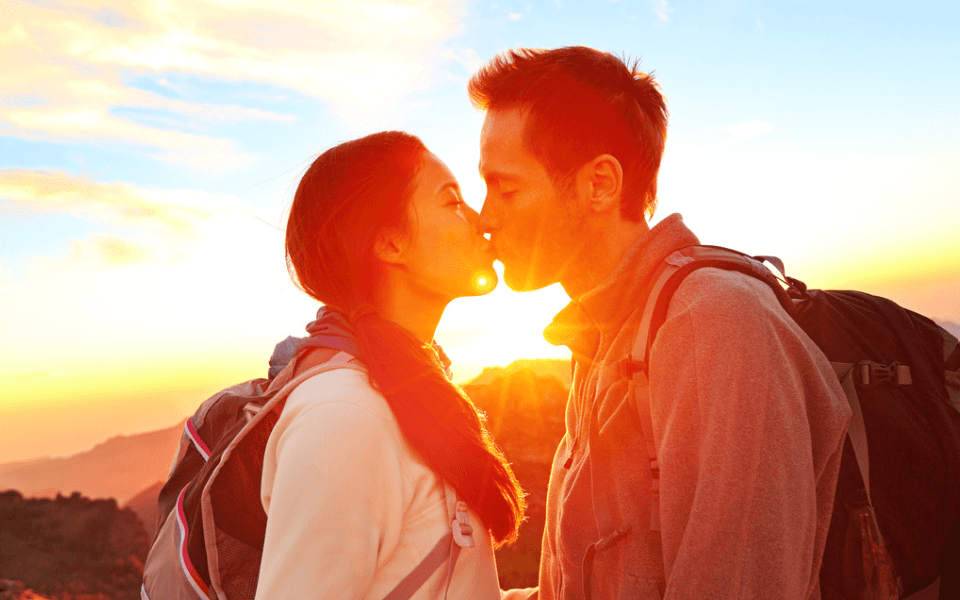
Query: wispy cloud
[[747, 130], [662, 9], [514, 16], [117, 203], [71, 61], [106, 250]]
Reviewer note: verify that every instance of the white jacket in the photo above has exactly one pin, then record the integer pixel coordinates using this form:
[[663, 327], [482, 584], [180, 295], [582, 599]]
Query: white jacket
[[351, 508]]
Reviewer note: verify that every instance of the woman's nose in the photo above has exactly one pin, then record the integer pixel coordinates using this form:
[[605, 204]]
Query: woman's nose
[[473, 217]]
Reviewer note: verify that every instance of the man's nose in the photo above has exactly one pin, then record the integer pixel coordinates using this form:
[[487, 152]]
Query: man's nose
[[486, 223]]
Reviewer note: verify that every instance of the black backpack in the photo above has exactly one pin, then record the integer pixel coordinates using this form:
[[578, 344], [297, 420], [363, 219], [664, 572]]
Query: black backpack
[[895, 526]]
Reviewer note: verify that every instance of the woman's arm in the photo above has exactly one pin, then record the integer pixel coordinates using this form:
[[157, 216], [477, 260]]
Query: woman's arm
[[334, 501]]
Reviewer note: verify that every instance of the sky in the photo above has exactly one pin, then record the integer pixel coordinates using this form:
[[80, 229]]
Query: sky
[[149, 152]]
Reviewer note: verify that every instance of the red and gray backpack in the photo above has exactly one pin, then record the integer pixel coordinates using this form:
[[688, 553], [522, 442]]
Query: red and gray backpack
[[211, 523], [895, 526]]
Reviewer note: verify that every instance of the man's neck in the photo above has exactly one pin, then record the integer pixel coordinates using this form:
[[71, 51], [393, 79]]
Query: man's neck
[[599, 259]]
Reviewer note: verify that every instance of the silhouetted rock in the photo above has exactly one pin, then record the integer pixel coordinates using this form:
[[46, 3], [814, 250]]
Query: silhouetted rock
[[544, 367], [72, 548], [525, 414]]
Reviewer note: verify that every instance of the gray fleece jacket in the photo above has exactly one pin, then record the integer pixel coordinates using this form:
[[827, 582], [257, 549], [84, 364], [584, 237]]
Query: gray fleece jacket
[[748, 421]]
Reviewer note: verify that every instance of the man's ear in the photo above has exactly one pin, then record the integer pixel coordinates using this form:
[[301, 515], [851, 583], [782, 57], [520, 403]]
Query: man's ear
[[391, 246], [601, 183]]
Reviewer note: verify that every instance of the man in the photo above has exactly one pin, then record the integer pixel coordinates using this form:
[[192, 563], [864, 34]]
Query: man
[[748, 417]]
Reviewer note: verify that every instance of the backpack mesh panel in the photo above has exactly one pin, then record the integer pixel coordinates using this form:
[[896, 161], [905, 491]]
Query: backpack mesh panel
[[239, 567]]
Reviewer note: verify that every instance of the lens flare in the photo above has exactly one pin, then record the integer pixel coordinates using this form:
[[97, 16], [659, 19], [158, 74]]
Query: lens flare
[[484, 282]]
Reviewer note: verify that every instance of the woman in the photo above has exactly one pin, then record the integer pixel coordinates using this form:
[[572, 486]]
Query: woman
[[358, 468]]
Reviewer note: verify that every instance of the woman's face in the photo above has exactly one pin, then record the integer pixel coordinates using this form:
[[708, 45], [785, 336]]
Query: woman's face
[[444, 253]]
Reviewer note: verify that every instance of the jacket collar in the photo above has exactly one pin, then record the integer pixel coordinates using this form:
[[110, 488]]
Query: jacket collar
[[605, 308]]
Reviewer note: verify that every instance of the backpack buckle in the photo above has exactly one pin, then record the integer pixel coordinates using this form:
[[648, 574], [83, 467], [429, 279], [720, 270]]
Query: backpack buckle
[[461, 528], [627, 367], [873, 374]]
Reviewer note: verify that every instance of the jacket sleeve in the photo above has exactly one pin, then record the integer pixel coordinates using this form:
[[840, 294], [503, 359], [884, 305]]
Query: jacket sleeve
[[334, 506], [730, 379]]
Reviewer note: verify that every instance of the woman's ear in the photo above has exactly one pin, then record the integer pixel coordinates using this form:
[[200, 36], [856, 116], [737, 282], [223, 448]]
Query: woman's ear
[[391, 246]]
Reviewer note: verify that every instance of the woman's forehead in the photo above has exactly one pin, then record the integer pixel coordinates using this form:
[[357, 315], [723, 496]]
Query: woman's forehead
[[435, 177]]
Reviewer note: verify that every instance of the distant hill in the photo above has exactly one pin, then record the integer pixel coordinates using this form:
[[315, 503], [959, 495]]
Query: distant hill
[[117, 468], [952, 328], [144, 504], [544, 367]]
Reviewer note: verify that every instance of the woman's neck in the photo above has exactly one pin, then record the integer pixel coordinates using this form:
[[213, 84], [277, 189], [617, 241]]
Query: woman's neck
[[418, 313]]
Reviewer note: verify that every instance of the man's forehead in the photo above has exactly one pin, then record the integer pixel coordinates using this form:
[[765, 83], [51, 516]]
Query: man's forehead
[[501, 123], [501, 140]]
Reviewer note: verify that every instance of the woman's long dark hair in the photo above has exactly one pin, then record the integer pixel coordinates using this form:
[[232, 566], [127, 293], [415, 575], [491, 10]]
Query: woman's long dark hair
[[348, 195]]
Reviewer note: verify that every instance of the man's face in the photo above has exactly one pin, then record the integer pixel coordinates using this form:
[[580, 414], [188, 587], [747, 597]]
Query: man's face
[[531, 228]]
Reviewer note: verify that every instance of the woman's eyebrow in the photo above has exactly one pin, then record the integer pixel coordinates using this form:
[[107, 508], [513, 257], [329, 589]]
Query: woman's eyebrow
[[452, 185]]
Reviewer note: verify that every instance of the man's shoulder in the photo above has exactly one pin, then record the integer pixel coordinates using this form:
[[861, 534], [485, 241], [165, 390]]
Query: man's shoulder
[[728, 304], [717, 290]]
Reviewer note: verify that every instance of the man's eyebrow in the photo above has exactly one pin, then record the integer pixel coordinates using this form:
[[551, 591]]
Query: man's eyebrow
[[496, 176]]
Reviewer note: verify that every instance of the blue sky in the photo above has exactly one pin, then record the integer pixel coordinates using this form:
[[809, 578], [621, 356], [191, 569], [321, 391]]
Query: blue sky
[[148, 152]]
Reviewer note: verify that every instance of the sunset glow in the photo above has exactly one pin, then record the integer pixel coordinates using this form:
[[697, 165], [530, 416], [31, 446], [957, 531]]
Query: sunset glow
[[150, 152]]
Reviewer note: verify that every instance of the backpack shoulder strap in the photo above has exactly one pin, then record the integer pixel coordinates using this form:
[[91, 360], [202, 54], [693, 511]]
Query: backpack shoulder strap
[[409, 585], [341, 360], [460, 535]]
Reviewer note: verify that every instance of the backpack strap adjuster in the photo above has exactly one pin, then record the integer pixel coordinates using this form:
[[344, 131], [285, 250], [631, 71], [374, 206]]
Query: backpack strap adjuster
[[872, 374], [627, 367]]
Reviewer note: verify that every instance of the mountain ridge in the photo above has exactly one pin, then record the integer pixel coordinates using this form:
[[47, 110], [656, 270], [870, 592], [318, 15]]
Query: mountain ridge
[[143, 458]]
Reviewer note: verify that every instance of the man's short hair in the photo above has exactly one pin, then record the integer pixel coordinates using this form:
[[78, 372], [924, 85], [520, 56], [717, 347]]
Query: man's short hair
[[582, 103]]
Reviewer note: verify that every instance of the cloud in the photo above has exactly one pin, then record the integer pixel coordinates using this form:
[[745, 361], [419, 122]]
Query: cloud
[[72, 60], [662, 9], [106, 250], [122, 204], [467, 58], [514, 16], [747, 130]]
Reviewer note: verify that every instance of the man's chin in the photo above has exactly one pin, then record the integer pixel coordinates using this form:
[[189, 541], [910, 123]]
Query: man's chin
[[522, 281]]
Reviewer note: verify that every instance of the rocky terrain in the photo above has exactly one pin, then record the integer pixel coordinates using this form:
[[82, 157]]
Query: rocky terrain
[[70, 548], [15, 590]]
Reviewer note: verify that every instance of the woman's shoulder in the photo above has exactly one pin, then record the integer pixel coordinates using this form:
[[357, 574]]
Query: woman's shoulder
[[345, 391]]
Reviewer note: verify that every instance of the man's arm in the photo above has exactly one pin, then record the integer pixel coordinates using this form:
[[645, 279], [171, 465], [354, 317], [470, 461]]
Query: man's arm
[[730, 379]]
